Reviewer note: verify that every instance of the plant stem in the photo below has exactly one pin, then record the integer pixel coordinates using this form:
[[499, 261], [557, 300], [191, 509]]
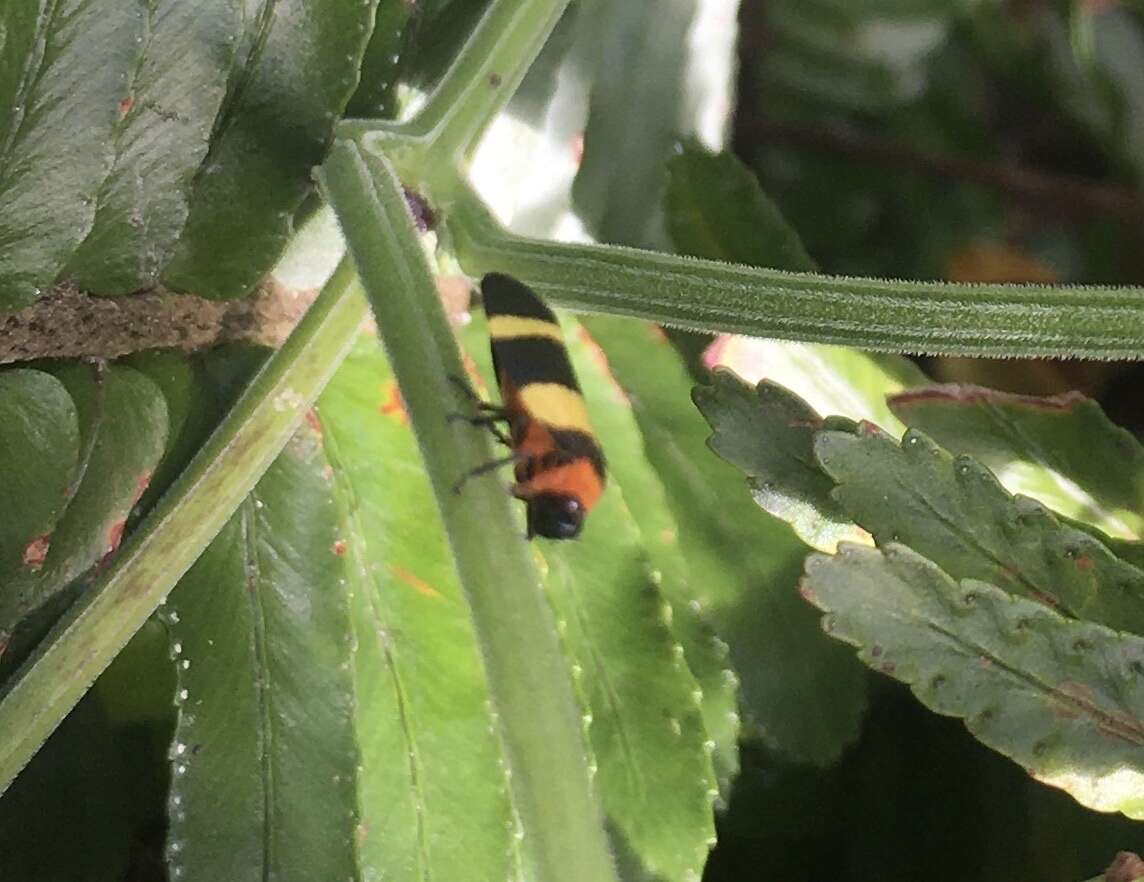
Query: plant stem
[[934, 318], [528, 676], [189, 516], [428, 150]]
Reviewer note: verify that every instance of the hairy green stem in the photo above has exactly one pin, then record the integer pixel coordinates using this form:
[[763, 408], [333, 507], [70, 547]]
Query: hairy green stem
[[428, 150], [188, 517], [933, 318], [527, 673]]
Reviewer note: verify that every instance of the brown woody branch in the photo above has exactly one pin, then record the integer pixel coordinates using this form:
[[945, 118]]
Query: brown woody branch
[[1070, 196]]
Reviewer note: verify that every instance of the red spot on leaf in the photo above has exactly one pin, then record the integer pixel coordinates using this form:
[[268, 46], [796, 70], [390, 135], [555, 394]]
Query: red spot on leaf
[[125, 106], [339, 547], [313, 422], [869, 429], [1085, 564], [36, 551], [392, 404], [415, 582], [114, 537]]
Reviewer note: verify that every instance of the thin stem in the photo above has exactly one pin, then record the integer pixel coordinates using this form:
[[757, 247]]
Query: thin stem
[[527, 673], [182, 525], [428, 150], [935, 318]]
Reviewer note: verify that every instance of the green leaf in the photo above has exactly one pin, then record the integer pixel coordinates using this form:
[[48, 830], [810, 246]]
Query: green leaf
[[768, 433], [382, 59], [102, 620], [62, 71], [1064, 699], [433, 793], [1061, 450], [775, 646], [192, 411], [263, 762], [654, 769], [164, 116], [123, 423], [716, 209], [637, 53], [141, 684], [832, 380], [295, 69], [954, 512], [439, 30], [852, 57], [655, 775], [632, 475], [39, 447], [526, 671]]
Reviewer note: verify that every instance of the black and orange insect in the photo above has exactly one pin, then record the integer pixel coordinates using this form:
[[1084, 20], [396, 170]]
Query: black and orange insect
[[559, 466]]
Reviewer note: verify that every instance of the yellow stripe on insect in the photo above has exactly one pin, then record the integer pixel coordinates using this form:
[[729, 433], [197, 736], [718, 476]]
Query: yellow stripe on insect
[[508, 327], [556, 406]]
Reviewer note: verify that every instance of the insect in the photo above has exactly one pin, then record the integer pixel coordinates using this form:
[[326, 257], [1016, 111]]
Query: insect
[[558, 464]]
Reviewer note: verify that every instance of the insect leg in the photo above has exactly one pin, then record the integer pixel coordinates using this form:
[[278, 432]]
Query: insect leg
[[468, 392], [489, 421], [484, 470]]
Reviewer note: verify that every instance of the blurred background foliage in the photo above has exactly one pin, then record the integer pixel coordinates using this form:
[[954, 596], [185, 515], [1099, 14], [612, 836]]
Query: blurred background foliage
[[970, 140]]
